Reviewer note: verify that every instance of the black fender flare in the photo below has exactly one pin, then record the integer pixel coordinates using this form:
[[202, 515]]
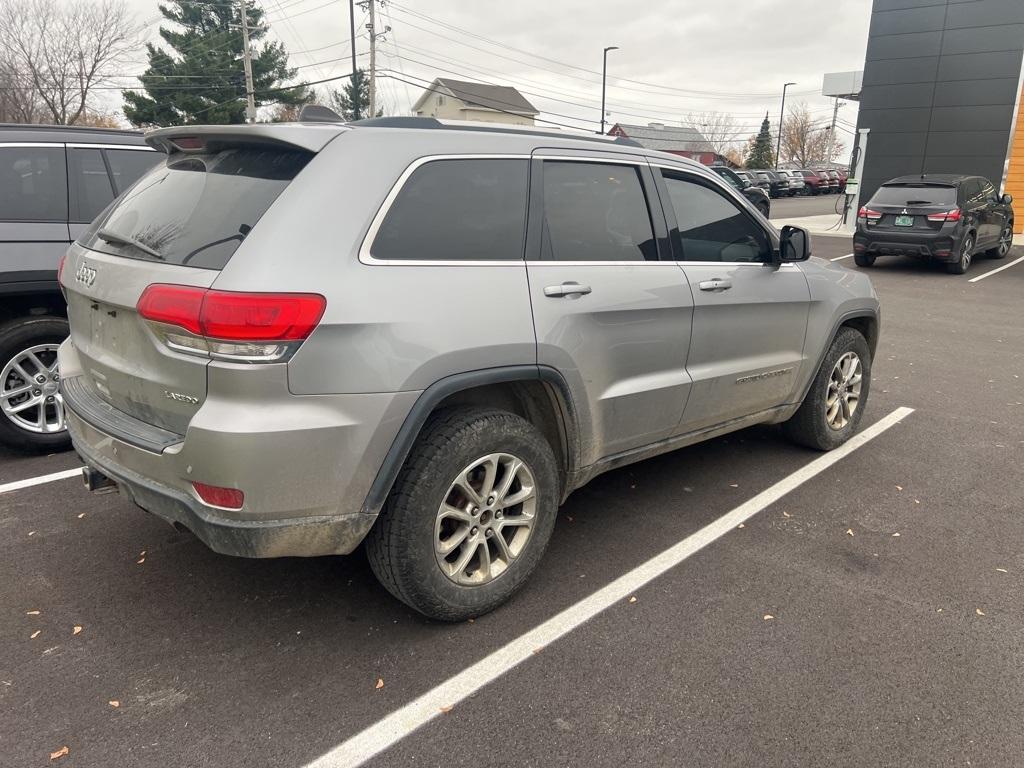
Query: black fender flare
[[437, 392], [840, 321]]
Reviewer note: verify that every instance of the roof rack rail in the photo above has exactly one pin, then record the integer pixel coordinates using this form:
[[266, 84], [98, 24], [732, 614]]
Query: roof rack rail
[[432, 123]]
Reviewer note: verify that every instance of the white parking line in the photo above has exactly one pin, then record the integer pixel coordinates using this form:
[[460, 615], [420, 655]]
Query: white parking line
[[994, 271], [840, 258], [19, 484], [402, 722]]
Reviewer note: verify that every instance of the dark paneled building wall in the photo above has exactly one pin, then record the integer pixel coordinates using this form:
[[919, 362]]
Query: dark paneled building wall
[[941, 82]]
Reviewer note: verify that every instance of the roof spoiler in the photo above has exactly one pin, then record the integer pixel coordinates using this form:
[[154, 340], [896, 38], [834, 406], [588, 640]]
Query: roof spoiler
[[206, 138]]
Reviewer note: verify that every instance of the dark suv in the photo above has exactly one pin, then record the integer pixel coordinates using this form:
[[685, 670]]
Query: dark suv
[[756, 195], [54, 180], [942, 217]]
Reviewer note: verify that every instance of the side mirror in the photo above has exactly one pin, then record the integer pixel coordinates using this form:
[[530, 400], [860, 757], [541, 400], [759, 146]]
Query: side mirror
[[794, 244], [1007, 199]]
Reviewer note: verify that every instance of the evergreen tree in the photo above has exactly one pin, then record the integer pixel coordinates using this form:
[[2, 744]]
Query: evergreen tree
[[760, 154], [202, 79], [352, 102]]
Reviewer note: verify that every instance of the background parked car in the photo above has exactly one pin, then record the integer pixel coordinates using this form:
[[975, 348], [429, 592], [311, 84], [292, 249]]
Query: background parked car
[[830, 180], [796, 183], [53, 182], [776, 184], [756, 195], [815, 183], [942, 217]]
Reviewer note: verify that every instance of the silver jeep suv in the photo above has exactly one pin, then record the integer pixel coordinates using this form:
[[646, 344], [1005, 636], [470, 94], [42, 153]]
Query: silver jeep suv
[[294, 338]]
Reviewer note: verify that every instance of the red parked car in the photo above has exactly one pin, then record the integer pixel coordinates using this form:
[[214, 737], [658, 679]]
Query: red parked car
[[815, 184]]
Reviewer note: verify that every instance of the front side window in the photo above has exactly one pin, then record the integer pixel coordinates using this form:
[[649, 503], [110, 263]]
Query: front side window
[[988, 192], [457, 210], [595, 212], [711, 226], [33, 184]]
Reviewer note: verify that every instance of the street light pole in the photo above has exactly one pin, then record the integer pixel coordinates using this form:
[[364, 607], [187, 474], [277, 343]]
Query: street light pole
[[604, 79], [782, 117]]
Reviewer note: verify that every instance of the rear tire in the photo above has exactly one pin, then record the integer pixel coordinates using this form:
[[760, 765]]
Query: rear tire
[[432, 507], [1005, 243], [817, 424], [764, 208], [17, 338], [962, 264], [864, 260]]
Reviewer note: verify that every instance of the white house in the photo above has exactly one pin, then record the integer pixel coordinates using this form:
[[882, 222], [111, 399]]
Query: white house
[[459, 100]]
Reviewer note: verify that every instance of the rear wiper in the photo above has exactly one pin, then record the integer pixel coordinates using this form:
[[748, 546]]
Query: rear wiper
[[113, 237]]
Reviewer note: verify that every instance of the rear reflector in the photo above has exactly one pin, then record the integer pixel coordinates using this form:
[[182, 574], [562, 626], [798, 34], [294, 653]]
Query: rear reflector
[[953, 215], [867, 213], [230, 498]]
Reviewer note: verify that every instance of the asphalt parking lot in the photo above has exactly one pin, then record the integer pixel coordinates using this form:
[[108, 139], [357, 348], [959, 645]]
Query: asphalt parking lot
[[870, 616]]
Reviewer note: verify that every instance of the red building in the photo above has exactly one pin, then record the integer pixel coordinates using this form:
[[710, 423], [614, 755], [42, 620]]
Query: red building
[[677, 140]]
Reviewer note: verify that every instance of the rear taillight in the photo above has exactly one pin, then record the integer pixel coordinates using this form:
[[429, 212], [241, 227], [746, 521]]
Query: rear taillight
[[953, 215], [248, 327], [867, 213], [215, 496]]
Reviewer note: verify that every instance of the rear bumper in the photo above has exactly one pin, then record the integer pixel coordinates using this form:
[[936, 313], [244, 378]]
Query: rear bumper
[[305, 463], [939, 245]]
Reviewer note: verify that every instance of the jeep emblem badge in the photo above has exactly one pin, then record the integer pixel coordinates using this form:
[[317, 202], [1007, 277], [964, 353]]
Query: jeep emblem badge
[[85, 274]]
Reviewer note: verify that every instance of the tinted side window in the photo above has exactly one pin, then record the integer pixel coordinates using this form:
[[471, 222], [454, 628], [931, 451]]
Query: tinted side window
[[462, 210], [595, 212], [969, 191], [712, 227], [128, 165], [33, 184], [988, 192], [90, 184]]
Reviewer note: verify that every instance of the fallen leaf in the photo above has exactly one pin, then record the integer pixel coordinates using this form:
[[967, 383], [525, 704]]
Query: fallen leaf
[[59, 753], [114, 703], [31, 533], [899, 487], [142, 553], [734, 485], [632, 599], [1002, 570], [76, 630], [447, 708], [140, 561], [917, 501], [786, 514], [31, 613], [768, 617], [35, 634], [81, 515], [895, 535], [380, 683], [742, 525], [538, 650], [569, 518], [849, 531], [939, 610], [470, 620], [979, 611]]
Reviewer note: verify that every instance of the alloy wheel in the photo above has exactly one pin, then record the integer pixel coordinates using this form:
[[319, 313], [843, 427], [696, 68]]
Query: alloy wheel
[[844, 385], [29, 390], [1005, 241], [485, 520], [965, 253]]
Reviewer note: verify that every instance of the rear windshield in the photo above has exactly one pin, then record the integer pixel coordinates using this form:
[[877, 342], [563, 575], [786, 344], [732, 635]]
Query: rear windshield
[[915, 194], [195, 210]]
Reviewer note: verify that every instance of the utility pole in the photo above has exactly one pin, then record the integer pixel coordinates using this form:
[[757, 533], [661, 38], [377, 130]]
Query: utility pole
[[357, 108], [604, 79], [782, 120], [372, 26], [250, 109], [832, 133]]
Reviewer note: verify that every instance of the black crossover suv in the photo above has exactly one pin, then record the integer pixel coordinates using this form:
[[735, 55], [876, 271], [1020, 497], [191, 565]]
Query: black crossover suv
[[942, 217], [756, 195]]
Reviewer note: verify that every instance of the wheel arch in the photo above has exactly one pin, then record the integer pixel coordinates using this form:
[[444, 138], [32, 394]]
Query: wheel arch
[[537, 393], [865, 321]]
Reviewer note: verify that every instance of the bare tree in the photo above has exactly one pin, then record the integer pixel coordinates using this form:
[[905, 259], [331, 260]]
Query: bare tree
[[19, 98], [719, 128], [805, 142], [62, 53]]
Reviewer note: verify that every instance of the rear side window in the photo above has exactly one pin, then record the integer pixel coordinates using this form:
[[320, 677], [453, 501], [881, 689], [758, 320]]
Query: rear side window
[[595, 212], [33, 184], [915, 194], [91, 191], [457, 210], [127, 165], [197, 209]]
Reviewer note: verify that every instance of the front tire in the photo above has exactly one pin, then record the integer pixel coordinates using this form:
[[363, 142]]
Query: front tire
[[832, 409], [31, 407], [764, 208], [1005, 243], [470, 514]]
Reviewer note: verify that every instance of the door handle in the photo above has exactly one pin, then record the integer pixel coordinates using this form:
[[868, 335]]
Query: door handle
[[715, 284], [566, 289]]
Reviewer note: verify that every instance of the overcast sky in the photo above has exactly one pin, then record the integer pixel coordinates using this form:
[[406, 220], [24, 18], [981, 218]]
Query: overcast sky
[[674, 57]]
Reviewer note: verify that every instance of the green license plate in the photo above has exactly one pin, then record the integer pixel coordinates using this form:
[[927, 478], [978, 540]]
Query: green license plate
[[904, 221]]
